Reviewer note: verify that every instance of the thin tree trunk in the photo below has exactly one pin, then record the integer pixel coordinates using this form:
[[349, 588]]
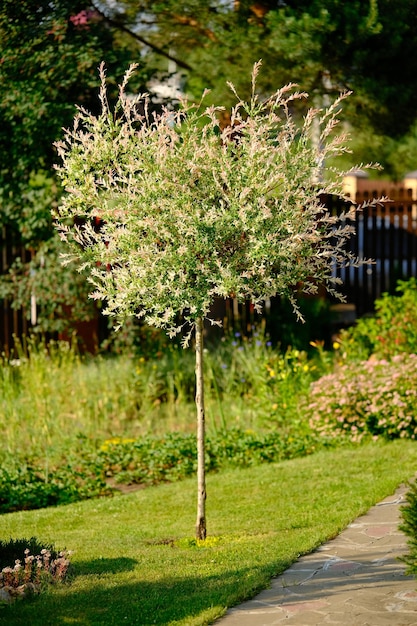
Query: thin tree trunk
[[201, 530]]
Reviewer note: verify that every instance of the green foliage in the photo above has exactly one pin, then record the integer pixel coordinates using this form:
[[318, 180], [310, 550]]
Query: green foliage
[[151, 460], [51, 394], [60, 293], [257, 379], [75, 427], [48, 60], [27, 486], [375, 398], [409, 527], [392, 330], [322, 45], [169, 213]]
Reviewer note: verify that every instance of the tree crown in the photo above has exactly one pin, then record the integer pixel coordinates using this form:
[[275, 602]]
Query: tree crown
[[168, 211]]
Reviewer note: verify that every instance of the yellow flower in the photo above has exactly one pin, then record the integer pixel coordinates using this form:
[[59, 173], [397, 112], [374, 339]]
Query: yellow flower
[[115, 441], [336, 345]]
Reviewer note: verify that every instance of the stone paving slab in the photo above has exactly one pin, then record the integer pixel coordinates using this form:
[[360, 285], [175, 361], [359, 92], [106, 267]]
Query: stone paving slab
[[355, 579]]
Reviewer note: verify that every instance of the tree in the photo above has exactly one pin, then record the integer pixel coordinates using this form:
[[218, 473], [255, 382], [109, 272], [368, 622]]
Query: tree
[[166, 212], [49, 55], [325, 46]]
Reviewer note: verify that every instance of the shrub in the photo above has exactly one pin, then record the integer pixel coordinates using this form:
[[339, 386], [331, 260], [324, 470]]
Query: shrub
[[27, 567], [392, 330], [151, 460], [148, 460], [409, 527], [30, 487], [375, 398]]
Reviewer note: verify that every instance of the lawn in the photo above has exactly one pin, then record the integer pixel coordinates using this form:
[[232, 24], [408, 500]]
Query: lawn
[[134, 560]]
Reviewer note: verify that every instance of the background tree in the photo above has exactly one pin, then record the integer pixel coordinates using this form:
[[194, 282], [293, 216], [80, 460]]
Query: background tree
[[323, 45], [167, 212], [49, 55]]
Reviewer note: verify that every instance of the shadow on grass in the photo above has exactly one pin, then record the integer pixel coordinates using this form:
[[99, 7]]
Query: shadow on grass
[[104, 603], [103, 566]]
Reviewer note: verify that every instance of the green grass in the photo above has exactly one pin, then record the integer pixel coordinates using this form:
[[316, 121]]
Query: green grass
[[134, 559]]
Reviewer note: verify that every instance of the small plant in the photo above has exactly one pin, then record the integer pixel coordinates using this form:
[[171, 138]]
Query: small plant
[[148, 460], [151, 460], [409, 527], [376, 398], [33, 568]]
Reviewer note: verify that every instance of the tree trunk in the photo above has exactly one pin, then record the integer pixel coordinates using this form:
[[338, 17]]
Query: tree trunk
[[201, 530]]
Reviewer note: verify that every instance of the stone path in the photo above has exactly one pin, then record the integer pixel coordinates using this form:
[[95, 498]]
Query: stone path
[[354, 580]]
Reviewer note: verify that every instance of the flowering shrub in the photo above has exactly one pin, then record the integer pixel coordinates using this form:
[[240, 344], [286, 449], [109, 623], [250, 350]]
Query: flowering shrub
[[32, 572], [375, 398]]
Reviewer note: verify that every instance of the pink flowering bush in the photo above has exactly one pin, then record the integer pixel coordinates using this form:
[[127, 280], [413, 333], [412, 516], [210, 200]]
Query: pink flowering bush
[[376, 398]]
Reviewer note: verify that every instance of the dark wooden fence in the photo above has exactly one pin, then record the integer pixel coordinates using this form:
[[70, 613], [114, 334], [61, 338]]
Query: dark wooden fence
[[387, 234]]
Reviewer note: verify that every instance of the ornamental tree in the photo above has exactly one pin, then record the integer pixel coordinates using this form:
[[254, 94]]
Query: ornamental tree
[[166, 212]]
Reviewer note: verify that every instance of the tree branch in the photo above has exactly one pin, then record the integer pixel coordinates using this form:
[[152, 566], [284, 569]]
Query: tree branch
[[191, 21], [125, 29]]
